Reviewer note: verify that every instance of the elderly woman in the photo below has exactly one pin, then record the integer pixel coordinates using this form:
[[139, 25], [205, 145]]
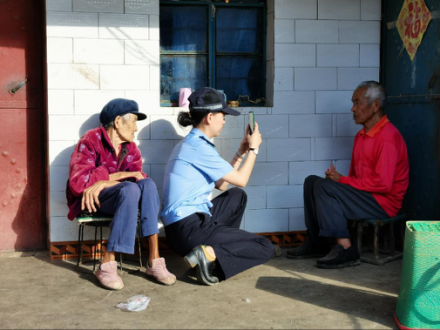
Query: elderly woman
[[207, 232], [105, 176]]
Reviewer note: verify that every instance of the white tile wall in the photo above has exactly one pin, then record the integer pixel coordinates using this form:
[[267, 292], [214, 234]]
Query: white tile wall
[[269, 220], [316, 31], [301, 9], [73, 76], [334, 101], [370, 55], [59, 5], [283, 79], [89, 102], [312, 79], [310, 125], [345, 126], [371, 10], [296, 219], [299, 171], [366, 32], [142, 6], [317, 52], [294, 55], [294, 102], [98, 51], [128, 77], [284, 196], [264, 174], [333, 148], [99, 6], [341, 55], [79, 25], [141, 52], [285, 30], [288, 149], [132, 27], [59, 50], [339, 9], [350, 78], [60, 102]]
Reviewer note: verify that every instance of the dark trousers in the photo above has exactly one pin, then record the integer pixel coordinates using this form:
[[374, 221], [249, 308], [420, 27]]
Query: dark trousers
[[328, 205], [124, 201], [236, 249]]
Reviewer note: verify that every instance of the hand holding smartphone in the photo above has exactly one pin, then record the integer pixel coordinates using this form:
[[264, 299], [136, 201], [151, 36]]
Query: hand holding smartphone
[[251, 122]]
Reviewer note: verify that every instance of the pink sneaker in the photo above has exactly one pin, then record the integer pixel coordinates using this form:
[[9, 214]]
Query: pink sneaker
[[160, 272], [107, 275]]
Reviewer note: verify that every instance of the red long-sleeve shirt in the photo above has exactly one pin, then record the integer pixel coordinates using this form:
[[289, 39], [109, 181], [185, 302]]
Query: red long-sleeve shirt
[[379, 165], [93, 160]]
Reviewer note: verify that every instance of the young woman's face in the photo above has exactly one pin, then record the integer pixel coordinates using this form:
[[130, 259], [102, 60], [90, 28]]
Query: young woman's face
[[217, 122]]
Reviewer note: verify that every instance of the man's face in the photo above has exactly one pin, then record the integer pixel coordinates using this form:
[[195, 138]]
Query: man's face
[[362, 111], [127, 127]]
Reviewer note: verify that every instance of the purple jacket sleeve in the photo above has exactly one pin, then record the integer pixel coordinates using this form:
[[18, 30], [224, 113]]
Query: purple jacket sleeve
[[83, 172]]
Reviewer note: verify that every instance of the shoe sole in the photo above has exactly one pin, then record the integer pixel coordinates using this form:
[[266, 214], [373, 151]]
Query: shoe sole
[[345, 264], [192, 261]]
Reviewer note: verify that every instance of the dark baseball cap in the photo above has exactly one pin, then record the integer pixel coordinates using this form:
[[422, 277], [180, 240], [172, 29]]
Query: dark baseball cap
[[119, 107], [211, 100]]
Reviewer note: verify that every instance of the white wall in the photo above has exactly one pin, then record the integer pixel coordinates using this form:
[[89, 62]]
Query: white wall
[[318, 51]]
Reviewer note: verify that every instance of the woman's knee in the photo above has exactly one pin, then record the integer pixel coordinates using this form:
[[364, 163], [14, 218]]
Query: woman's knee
[[130, 189], [147, 184], [238, 194]]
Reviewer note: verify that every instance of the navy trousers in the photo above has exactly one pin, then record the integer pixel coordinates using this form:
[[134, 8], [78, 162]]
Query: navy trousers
[[236, 249], [124, 201], [328, 205]]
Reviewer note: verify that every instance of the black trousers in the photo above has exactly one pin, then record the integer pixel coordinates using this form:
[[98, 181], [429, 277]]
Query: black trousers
[[328, 205], [236, 249]]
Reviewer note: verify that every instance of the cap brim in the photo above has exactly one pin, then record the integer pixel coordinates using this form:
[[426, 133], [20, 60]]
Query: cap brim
[[231, 111], [140, 115]]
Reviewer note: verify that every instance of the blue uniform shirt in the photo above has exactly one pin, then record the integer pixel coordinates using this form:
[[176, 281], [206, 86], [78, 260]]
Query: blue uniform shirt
[[190, 176]]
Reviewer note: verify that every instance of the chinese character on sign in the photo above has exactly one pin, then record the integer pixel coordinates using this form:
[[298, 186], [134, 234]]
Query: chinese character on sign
[[412, 24]]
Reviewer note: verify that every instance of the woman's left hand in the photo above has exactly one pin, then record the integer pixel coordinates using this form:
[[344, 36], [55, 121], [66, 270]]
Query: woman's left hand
[[244, 144]]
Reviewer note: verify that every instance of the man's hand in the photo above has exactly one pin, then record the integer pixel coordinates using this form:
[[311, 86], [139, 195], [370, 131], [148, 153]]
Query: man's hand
[[118, 176], [332, 174], [90, 196]]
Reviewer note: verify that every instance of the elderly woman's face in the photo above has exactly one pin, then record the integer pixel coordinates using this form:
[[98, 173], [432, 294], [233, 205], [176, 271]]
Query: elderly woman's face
[[126, 127]]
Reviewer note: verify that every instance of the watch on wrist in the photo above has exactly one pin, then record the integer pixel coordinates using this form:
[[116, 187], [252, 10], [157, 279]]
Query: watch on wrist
[[255, 150]]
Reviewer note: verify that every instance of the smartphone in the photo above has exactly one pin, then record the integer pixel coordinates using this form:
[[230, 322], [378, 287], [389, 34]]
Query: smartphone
[[251, 122]]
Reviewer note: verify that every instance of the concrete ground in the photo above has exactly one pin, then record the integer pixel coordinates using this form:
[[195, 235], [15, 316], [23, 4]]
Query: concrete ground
[[37, 293]]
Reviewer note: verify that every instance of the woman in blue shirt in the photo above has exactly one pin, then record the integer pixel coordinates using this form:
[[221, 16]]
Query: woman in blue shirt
[[207, 232]]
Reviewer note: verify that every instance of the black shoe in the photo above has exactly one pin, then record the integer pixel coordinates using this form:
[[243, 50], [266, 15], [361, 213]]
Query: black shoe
[[307, 250], [340, 258], [197, 258]]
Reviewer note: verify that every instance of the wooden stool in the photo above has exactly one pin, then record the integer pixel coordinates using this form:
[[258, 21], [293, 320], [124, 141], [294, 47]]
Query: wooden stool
[[389, 249], [100, 221]]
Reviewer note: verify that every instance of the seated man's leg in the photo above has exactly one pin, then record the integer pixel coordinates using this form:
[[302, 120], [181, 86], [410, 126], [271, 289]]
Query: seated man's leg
[[149, 211], [335, 204], [122, 201], [315, 246]]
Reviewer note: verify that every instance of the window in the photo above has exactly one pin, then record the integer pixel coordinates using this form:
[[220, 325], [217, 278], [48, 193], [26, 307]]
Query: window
[[215, 44]]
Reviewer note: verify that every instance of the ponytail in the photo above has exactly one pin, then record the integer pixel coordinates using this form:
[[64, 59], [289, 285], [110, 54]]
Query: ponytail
[[185, 119]]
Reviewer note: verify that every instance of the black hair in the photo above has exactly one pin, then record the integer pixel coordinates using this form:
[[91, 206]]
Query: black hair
[[184, 119]]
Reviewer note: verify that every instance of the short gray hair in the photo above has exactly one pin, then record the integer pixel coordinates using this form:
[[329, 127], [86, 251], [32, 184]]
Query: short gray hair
[[125, 118], [375, 91]]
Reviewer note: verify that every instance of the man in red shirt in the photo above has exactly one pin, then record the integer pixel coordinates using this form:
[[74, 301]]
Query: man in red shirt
[[105, 176], [374, 188]]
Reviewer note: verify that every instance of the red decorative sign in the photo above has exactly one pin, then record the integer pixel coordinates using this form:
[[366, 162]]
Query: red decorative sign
[[412, 24]]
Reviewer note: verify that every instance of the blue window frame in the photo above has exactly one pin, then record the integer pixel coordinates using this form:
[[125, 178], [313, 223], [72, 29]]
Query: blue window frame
[[215, 44]]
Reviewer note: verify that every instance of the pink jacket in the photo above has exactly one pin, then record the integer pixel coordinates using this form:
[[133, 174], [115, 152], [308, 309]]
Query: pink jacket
[[93, 160]]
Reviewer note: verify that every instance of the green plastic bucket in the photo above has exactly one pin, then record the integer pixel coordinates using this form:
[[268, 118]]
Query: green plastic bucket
[[418, 305]]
